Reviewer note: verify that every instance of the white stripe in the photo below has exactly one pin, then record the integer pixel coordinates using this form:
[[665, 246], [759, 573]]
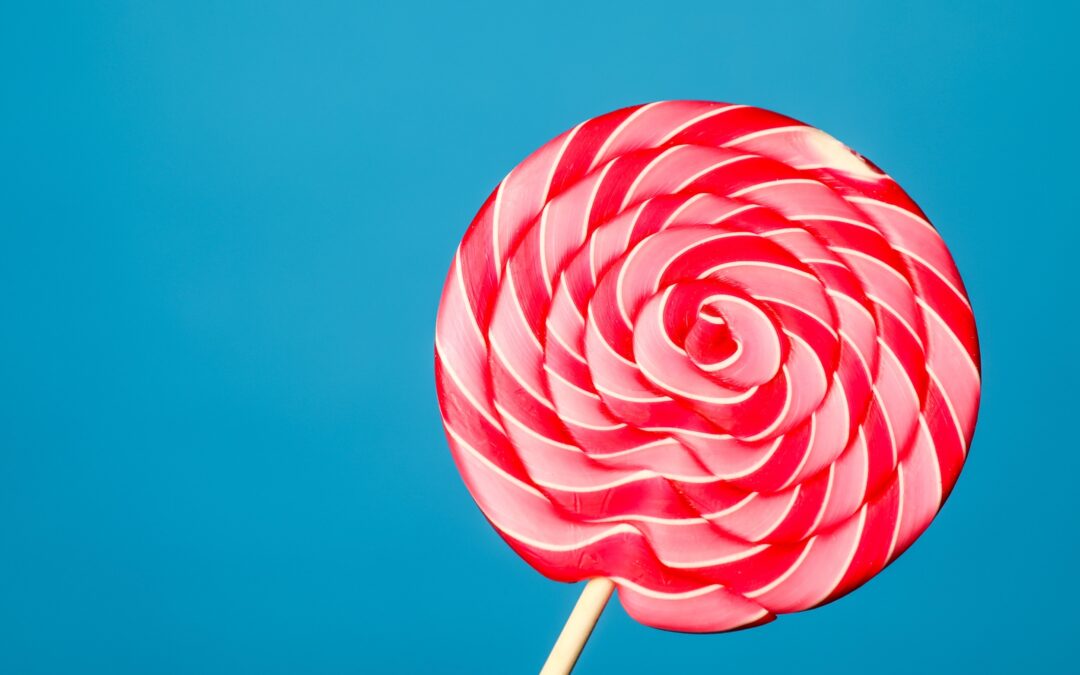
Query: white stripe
[[866, 256], [595, 327], [688, 432], [948, 329], [858, 354], [718, 400], [544, 546], [911, 331], [569, 350], [591, 427], [521, 310], [783, 516], [869, 173], [907, 378], [888, 426], [806, 454], [573, 305], [824, 500], [839, 385], [542, 245], [505, 414], [592, 259], [648, 167], [855, 303], [767, 132], [814, 354], [767, 265], [720, 365], [544, 211], [636, 448], [733, 212], [660, 320], [678, 212], [756, 465], [540, 398], [589, 204], [899, 512], [618, 130], [639, 518], [558, 160], [731, 509], [630, 399], [445, 363], [892, 207], [776, 183], [644, 474], [786, 230], [825, 261], [660, 595], [854, 549], [934, 454], [694, 120], [633, 224], [723, 560], [952, 410], [461, 442], [465, 298], [637, 476], [800, 308], [836, 219], [866, 463], [783, 412], [787, 573], [619, 280], [585, 392], [686, 183], [496, 255], [936, 272]]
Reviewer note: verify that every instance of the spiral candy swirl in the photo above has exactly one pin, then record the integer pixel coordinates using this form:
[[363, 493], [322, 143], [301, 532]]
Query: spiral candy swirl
[[709, 352]]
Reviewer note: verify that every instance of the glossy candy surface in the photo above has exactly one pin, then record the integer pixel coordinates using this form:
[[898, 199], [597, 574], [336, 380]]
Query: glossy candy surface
[[711, 353]]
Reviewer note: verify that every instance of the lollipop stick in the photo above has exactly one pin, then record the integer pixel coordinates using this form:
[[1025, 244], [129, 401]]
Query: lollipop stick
[[578, 627]]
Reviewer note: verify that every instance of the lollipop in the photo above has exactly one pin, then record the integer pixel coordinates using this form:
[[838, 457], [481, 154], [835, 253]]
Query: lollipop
[[710, 354]]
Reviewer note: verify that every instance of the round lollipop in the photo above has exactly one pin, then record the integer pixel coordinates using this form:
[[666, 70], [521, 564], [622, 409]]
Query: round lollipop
[[710, 355]]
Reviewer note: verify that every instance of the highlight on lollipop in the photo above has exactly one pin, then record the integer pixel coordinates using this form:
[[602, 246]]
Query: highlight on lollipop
[[708, 357]]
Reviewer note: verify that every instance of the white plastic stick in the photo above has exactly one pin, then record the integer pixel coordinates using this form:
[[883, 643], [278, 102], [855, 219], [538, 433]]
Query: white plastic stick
[[578, 627]]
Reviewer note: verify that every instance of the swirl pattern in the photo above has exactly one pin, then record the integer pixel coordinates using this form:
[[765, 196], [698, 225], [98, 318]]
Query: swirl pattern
[[711, 353]]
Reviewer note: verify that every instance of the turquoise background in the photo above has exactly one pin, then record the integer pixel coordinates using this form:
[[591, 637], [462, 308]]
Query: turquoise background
[[225, 229]]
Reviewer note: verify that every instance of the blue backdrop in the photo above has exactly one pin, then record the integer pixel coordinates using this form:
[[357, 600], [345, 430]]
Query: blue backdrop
[[225, 230]]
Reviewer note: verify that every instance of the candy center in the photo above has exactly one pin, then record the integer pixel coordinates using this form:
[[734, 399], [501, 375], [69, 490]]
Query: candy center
[[709, 342], [734, 341]]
